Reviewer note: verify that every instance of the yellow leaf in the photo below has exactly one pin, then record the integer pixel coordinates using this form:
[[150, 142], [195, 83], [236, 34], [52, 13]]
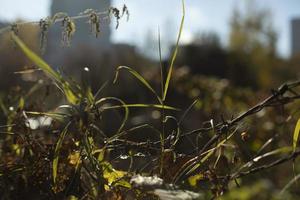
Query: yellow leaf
[[296, 134], [74, 158], [114, 177], [194, 179]]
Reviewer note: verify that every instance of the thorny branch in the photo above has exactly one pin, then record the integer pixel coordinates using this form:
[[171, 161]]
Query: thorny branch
[[292, 156], [283, 95]]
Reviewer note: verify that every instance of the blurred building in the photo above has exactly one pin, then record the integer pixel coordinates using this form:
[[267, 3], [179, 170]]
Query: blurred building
[[83, 39], [295, 36], [98, 54]]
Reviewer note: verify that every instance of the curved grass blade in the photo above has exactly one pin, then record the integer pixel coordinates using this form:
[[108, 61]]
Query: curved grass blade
[[129, 131], [139, 77], [178, 131], [296, 135], [36, 59], [100, 89], [68, 91], [123, 105], [56, 152], [174, 54]]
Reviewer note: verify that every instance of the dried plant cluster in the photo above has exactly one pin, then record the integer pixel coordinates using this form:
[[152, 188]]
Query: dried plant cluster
[[68, 23], [73, 152]]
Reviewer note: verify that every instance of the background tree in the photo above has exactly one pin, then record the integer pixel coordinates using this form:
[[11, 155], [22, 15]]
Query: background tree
[[253, 34]]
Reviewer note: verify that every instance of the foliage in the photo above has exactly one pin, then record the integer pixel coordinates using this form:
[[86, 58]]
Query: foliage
[[253, 34], [89, 145]]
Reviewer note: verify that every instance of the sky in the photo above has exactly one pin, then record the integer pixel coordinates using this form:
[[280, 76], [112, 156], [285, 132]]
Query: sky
[[147, 15]]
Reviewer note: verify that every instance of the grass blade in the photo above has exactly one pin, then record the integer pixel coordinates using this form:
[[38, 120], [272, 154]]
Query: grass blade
[[174, 54], [291, 182], [187, 111], [141, 106], [56, 152], [123, 105], [68, 91], [274, 152], [296, 134], [139, 77], [36, 59], [55, 115], [161, 65]]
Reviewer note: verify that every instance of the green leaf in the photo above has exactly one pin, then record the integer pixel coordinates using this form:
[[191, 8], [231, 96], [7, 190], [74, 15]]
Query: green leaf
[[296, 134], [139, 77], [56, 152], [174, 54]]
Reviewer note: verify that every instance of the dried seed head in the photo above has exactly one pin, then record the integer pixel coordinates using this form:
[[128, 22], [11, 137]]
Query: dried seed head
[[116, 13], [69, 29], [95, 23], [44, 25], [125, 11]]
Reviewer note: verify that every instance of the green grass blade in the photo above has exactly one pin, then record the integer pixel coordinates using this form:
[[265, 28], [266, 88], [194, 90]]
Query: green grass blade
[[123, 105], [129, 131], [296, 134], [36, 59], [56, 152], [161, 65], [141, 106], [139, 77], [39, 62], [174, 54], [70, 95], [187, 111], [55, 115]]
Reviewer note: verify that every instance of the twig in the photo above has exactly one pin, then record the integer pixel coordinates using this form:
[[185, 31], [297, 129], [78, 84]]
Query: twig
[[267, 166], [277, 98]]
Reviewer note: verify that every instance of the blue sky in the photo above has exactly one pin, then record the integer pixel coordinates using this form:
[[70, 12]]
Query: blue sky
[[147, 15]]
